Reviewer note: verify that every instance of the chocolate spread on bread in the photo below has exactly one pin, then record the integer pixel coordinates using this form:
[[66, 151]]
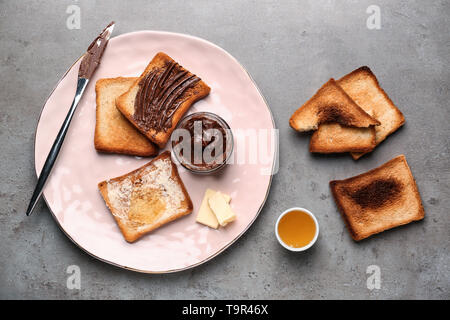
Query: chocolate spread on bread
[[160, 94]]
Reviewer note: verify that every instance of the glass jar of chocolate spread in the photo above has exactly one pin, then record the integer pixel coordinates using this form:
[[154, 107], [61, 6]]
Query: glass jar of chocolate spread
[[202, 142]]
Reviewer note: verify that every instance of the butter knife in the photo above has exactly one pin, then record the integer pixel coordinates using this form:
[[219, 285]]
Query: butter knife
[[88, 65]]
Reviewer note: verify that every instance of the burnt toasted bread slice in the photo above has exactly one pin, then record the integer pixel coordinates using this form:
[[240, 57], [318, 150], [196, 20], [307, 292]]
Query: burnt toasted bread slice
[[113, 132], [146, 198], [163, 93], [380, 199], [330, 105], [335, 138], [363, 87]]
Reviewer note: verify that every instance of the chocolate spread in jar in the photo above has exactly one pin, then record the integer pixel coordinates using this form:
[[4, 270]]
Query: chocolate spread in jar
[[209, 142]]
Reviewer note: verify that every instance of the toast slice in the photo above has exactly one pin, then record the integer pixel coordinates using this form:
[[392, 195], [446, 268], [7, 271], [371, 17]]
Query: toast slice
[[163, 93], [330, 105], [335, 138], [363, 87], [380, 199], [113, 132], [146, 198]]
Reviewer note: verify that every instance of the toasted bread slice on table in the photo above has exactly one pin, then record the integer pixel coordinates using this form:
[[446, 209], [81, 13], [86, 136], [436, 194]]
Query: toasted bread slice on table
[[113, 132], [363, 87], [330, 105], [380, 199], [146, 198], [335, 138], [160, 97]]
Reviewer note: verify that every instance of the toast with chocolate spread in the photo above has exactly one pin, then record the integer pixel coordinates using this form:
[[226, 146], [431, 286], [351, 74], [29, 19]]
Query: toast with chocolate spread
[[113, 132], [380, 199], [146, 198], [157, 100]]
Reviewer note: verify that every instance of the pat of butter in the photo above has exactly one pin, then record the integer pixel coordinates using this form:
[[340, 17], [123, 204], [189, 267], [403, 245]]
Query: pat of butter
[[221, 209], [205, 215]]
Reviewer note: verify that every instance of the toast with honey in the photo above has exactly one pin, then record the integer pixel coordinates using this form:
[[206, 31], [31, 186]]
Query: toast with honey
[[363, 87], [330, 104], [113, 132], [146, 198], [157, 100], [378, 200]]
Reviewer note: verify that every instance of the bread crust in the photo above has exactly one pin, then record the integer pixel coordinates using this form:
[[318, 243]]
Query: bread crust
[[113, 132], [125, 103], [132, 234], [330, 104], [371, 104], [378, 200]]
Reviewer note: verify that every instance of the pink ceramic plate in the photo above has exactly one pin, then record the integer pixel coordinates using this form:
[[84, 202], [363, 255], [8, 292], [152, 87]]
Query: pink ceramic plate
[[71, 192]]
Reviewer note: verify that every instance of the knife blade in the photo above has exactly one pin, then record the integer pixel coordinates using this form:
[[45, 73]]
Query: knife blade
[[88, 65]]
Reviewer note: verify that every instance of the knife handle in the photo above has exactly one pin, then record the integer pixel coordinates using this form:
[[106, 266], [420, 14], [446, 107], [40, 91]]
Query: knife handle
[[57, 144]]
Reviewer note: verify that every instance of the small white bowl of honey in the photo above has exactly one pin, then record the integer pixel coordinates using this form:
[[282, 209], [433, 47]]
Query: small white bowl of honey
[[297, 229]]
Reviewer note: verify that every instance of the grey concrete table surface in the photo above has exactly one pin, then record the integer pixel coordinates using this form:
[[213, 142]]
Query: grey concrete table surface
[[290, 48]]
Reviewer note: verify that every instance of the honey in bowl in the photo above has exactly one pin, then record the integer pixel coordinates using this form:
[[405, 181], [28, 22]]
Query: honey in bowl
[[296, 229]]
